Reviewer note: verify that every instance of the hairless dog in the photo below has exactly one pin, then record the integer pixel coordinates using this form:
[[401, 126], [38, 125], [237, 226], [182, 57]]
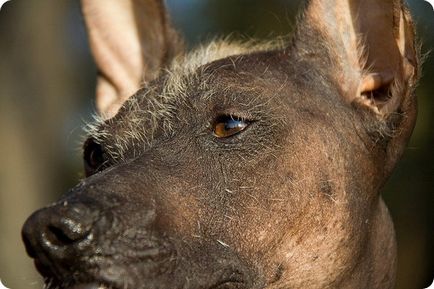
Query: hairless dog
[[238, 165]]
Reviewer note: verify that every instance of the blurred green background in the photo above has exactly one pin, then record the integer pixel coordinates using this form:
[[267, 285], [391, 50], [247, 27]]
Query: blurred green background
[[47, 81]]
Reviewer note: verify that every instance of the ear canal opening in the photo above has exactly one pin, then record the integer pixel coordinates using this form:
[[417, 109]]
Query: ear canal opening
[[381, 94], [375, 91], [379, 98]]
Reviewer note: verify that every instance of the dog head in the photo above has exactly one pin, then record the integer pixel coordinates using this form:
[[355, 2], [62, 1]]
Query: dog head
[[239, 165]]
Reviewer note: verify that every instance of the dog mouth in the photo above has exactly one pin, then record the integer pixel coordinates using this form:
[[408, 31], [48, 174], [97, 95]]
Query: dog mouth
[[99, 285], [75, 281], [54, 284], [51, 284], [91, 286], [96, 272], [225, 280]]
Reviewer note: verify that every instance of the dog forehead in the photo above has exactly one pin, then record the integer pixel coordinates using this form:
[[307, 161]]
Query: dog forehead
[[154, 108]]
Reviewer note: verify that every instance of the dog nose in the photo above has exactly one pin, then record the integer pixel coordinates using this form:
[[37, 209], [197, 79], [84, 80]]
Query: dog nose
[[59, 232]]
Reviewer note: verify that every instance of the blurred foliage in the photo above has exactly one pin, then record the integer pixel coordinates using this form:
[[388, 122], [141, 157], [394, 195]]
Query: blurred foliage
[[46, 95]]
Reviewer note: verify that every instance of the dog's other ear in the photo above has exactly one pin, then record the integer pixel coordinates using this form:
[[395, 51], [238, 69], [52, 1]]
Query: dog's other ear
[[369, 51], [131, 40]]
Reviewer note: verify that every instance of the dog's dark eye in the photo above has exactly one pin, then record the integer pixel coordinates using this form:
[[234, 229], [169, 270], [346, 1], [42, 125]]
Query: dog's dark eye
[[93, 157], [229, 125]]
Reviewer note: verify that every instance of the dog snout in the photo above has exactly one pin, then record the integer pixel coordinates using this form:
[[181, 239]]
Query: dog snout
[[60, 232]]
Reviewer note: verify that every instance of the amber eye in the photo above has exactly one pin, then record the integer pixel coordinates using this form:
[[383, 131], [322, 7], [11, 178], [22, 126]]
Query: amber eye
[[93, 157], [229, 125]]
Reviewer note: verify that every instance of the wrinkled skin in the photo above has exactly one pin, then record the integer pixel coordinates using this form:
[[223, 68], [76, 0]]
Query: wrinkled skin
[[291, 201]]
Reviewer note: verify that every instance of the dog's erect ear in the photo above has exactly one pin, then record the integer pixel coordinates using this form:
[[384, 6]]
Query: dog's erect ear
[[369, 50], [370, 42], [131, 40]]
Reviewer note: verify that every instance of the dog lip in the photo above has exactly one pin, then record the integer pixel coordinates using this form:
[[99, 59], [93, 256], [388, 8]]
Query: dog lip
[[90, 286]]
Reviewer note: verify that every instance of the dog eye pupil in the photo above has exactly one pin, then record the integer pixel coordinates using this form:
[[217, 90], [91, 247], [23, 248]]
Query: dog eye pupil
[[228, 125]]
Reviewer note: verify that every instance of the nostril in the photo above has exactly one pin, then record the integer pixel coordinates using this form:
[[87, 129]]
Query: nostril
[[70, 228], [60, 232], [57, 236], [65, 235]]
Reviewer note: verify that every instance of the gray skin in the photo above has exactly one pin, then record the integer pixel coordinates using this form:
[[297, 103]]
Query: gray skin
[[290, 201]]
